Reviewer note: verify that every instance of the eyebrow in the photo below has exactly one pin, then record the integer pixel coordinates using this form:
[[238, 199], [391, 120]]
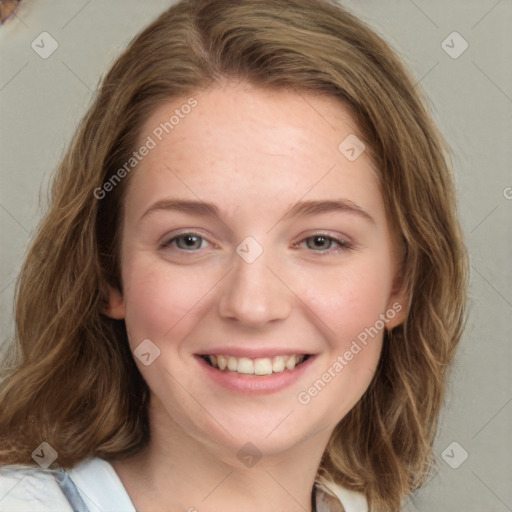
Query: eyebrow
[[299, 209]]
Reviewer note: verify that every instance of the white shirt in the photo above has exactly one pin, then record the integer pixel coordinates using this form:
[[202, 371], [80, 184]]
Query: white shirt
[[98, 488]]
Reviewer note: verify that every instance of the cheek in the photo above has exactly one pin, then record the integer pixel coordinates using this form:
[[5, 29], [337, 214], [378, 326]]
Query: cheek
[[348, 300], [158, 299], [348, 306], [348, 303]]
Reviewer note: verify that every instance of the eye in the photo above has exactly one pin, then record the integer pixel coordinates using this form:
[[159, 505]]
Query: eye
[[319, 243], [323, 243], [185, 241]]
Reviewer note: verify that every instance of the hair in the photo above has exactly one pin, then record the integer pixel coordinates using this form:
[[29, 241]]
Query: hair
[[69, 377]]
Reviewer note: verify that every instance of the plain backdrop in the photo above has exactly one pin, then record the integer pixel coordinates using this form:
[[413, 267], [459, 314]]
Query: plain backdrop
[[470, 93]]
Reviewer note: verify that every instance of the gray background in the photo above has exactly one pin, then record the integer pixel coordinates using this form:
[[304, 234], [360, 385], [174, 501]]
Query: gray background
[[41, 101]]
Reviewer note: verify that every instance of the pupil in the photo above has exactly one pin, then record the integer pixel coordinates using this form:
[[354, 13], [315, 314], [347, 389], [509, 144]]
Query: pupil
[[321, 240], [190, 240]]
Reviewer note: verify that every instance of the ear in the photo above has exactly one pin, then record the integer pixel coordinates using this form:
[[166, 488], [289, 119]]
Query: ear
[[398, 302], [114, 306], [398, 305]]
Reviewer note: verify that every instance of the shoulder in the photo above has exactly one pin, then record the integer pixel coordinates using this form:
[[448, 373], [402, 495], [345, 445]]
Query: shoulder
[[352, 501], [27, 488], [100, 486], [93, 483]]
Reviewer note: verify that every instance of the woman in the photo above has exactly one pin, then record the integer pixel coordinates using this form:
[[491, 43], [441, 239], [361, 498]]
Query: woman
[[250, 282]]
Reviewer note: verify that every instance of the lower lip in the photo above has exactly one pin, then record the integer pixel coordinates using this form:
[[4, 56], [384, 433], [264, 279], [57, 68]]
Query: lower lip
[[255, 384]]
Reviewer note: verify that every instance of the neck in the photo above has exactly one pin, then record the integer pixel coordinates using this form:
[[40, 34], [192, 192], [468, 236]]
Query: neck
[[177, 471]]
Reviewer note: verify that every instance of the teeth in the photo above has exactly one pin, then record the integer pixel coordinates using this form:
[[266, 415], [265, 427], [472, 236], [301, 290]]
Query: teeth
[[221, 363], [263, 366], [245, 365], [232, 364], [278, 364], [258, 366], [290, 364]]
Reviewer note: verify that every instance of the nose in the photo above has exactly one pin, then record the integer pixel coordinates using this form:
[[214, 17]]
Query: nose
[[255, 293]]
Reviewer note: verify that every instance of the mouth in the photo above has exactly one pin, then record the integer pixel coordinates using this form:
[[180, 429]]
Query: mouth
[[255, 376], [259, 366]]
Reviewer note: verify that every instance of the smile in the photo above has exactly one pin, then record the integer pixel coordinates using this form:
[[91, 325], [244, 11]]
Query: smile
[[257, 366], [255, 376]]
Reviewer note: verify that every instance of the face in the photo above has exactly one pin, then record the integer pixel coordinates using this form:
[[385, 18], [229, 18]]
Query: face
[[293, 257]]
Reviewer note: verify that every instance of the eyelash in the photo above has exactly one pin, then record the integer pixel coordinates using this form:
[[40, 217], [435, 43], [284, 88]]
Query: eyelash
[[342, 244]]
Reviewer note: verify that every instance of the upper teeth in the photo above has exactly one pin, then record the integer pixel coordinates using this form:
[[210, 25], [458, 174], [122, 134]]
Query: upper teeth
[[258, 366]]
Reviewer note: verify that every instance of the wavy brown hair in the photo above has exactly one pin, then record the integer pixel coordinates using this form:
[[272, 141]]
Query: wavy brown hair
[[70, 379]]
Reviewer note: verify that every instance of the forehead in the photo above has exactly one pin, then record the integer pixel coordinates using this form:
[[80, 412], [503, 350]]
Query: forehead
[[272, 121], [243, 146]]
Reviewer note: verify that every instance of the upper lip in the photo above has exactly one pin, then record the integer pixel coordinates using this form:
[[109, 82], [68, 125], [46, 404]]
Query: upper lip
[[252, 352]]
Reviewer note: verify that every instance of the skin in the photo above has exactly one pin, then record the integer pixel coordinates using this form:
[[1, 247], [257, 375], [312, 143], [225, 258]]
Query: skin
[[254, 154]]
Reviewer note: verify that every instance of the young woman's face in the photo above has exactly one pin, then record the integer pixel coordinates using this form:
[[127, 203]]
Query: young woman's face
[[297, 259]]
